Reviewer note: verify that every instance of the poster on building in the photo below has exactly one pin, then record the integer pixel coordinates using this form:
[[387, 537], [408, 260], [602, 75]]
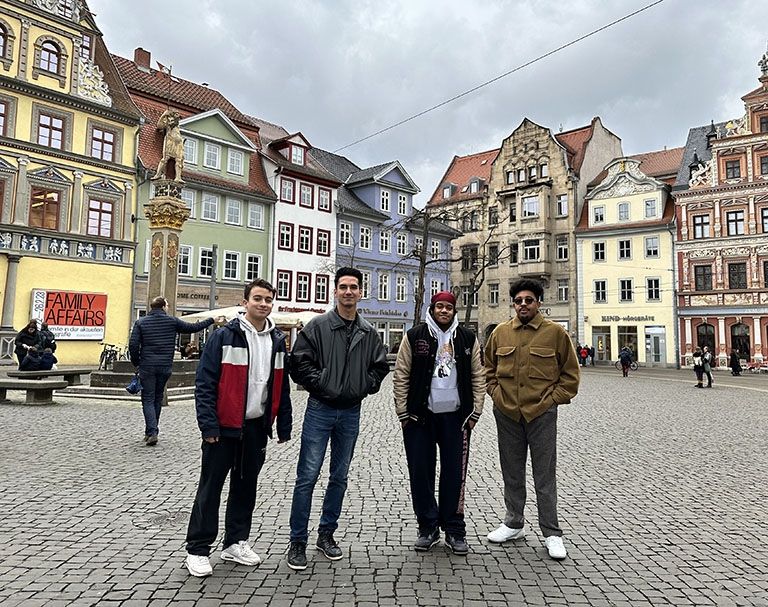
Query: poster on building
[[70, 314]]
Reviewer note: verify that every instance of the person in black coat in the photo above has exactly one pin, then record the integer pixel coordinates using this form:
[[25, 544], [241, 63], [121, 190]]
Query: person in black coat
[[26, 338], [47, 360], [47, 337], [31, 361], [735, 363]]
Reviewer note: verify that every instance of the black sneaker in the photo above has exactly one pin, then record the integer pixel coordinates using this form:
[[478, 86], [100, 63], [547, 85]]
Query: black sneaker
[[426, 540], [297, 556], [151, 440], [328, 546], [457, 544]]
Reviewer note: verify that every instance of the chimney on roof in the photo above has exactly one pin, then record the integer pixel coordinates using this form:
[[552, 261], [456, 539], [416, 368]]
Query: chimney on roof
[[142, 58]]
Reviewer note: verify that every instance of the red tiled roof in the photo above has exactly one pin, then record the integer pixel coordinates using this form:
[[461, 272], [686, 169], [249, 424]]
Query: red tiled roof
[[461, 170], [575, 142], [661, 163], [179, 92], [151, 146]]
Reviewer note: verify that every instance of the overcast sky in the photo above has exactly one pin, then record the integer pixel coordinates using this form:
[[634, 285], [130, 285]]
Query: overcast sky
[[340, 70]]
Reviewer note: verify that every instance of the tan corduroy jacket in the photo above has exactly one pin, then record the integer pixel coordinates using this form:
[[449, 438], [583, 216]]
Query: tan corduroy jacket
[[530, 367]]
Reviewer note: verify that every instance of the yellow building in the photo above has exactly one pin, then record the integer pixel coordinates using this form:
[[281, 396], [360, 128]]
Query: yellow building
[[625, 258], [68, 137]]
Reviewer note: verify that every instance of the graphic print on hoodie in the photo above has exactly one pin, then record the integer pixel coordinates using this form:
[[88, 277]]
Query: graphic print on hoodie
[[444, 391]]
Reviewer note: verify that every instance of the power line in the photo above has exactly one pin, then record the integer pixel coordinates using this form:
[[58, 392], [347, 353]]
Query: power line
[[500, 76]]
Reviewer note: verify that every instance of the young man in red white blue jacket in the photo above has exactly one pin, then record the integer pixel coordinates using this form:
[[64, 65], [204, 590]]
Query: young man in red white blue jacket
[[241, 388]]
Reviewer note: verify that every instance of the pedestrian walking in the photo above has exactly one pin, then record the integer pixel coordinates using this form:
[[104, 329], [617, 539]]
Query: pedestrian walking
[[583, 354], [698, 366], [340, 359], [707, 356], [592, 356], [625, 358], [241, 388], [439, 388], [735, 363], [25, 339], [151, 348], [531, 369]]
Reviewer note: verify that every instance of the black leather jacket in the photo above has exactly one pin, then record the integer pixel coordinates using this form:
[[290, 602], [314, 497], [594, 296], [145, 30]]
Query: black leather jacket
[[337, 368]]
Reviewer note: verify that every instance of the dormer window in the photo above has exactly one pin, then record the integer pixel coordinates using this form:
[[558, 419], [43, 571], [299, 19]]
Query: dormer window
[[447, 191], [297, 154], [50, 59], [474, 187]]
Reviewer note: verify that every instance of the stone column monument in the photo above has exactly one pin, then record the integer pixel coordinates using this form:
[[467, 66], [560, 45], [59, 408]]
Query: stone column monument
[[166, 213]]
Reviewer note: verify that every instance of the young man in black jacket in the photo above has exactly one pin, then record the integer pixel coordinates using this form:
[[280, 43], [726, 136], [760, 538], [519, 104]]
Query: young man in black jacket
[[339, 358], [439, 387]]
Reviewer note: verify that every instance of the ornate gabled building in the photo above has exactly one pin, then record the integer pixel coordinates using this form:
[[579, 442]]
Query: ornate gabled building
[[67, 179], [517, 207], [721, 194], [625, 260], [231, 204]]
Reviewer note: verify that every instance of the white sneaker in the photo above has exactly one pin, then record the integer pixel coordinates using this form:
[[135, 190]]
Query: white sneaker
[[504, 534], [241, 553], [199, 566], [555, 547]]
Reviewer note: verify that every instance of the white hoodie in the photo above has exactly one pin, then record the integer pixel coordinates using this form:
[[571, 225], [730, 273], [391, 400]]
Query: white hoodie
[[444, 391], [259, 365]]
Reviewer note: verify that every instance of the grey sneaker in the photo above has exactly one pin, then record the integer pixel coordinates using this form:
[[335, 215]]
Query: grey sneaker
[[457, 544], [426, 540]]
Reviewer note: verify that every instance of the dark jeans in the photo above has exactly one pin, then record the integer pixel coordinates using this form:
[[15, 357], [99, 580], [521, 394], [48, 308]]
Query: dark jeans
[[515, 439], [242, 460], [153, 380], [321, 424], [421, 443]]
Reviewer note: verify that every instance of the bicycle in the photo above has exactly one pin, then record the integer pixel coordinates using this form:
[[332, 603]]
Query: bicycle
[[109, 355], [633, 366]]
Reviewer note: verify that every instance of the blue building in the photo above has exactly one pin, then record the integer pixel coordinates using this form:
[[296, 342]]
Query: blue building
[[378, 233]]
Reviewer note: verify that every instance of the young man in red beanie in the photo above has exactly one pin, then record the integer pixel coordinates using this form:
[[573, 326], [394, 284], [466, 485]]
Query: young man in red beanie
[[439, 386]]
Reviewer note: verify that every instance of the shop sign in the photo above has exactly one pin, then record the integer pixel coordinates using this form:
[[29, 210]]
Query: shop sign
[[629, 318], [71, 315]]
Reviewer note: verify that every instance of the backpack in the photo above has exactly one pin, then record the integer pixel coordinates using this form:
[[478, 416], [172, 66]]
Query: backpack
[[584, 352]]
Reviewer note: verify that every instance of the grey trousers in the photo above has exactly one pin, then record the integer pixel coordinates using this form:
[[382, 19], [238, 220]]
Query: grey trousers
[[515, 439]]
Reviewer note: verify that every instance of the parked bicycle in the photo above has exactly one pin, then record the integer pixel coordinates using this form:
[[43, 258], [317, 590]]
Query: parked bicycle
[[633, 366], [109, 354]]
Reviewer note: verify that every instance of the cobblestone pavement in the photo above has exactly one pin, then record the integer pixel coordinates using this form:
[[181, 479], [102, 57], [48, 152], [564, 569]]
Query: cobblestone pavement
[[663, 500]]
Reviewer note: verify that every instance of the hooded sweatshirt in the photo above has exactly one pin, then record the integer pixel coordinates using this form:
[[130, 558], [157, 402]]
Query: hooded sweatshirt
[[444, 391], [260, 353]]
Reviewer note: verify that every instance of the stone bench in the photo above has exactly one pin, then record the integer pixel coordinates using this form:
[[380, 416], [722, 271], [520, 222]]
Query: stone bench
[[71, 375], [39, 391]]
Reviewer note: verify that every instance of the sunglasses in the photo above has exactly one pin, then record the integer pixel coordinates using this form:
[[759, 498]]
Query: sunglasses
[[518, 301]]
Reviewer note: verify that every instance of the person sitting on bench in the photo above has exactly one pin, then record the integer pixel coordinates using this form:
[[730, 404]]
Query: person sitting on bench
[[31, 361], [48, 360]]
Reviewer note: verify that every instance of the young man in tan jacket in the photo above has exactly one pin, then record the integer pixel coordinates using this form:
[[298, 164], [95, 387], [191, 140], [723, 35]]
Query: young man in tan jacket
[[531, 369]]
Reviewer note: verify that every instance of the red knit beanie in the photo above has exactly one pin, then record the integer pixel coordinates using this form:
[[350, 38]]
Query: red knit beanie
[[443, 296]]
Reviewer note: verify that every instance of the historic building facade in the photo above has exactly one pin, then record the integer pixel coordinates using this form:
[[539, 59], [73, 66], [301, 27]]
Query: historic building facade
[[721, 195], [625, 261], [379, 234], [516, 207], [227, 239], [67, 180]]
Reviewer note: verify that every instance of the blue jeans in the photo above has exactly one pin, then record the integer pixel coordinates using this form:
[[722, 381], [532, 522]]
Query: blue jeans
[[153, 380], [322, 423]]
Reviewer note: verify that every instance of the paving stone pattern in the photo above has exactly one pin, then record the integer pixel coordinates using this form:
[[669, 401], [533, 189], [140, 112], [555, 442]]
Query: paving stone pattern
[[663, 501]]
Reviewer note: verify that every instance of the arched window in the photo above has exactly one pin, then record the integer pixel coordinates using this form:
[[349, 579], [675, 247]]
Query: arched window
[[3, 40], [6, 44], [705, 336], [50, 57], [740, 340]]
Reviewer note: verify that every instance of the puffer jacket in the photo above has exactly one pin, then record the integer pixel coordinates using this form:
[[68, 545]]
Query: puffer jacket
[[221, 384], [153, 339], [338, 374]]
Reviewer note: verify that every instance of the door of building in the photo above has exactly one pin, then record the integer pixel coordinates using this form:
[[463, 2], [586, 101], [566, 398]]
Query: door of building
[[655, 347], [601, 342]]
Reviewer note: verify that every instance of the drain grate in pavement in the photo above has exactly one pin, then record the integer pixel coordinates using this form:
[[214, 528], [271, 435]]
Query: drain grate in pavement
[[162, 520]]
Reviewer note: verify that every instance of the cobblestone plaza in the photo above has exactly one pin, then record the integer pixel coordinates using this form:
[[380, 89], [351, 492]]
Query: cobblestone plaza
[[663, 501]]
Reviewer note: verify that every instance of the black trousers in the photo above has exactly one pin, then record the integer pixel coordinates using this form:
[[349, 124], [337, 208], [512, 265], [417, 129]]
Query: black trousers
[[242, 460], [443, 430]]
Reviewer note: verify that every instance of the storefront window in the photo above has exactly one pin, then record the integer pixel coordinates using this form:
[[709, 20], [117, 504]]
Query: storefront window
[[628, 337]]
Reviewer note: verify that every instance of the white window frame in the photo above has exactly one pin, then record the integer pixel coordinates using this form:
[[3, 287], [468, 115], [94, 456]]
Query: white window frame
[[215, 156], [562, 289], [654, 208], [648, 251], [648, 287], [531, 247], [230, 256], [598, 215], [321, 283], [250, 258], [345, 234], [434, 249], [365, 238], [385, 241], [402, 204], [191, 157], [252, 207], [401, 288], [324, 237], [235, 162], [304, 278], [185, 251], [321, 204], [561, 244], [305, 234], [434, 287], [530, 206], [201, 252], [402, 244], [384, 201], [210, 198], [562, 205], [604, 251], [623, 209], [493, 294], [190, 203], [365, 287], [383, 291], [297, 154], [232, 205]]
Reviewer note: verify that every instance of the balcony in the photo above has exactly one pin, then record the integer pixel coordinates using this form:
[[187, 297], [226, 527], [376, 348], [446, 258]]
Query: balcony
[[534, 268]]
